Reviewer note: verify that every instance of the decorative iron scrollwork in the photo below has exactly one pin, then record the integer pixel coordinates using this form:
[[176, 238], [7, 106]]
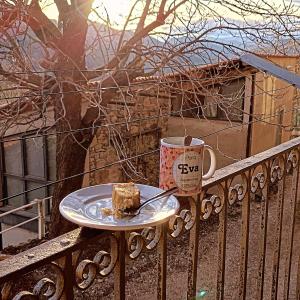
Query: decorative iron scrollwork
[[276, 174], [217, 202], [206, 208], [102, 263], [151, 236], [135, 244], [213, 204], [184, 220], [238, 191], [85, 273], [292, 160], [5, 292], [45, 288], [277, 167], [259, 180], [24, 295]]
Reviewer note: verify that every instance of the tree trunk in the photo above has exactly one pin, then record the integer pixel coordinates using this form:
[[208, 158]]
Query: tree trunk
[[71, 146], [70, 157], [70, 161]]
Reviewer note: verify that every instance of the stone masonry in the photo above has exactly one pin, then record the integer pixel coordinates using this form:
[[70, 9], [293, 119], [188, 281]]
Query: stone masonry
[[142, 132]]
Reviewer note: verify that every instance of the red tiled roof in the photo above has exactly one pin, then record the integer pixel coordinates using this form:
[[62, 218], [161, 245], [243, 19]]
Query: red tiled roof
[[234, 63]]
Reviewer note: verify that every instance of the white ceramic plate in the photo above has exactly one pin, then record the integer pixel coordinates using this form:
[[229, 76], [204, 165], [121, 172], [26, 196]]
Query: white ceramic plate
[[83, 207]]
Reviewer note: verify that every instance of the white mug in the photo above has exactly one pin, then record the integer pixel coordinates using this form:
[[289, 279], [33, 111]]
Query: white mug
[[182, 166]]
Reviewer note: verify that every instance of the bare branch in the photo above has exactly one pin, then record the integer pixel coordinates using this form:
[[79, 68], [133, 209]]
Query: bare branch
[[32, 80], [143, 17], [63, 9]]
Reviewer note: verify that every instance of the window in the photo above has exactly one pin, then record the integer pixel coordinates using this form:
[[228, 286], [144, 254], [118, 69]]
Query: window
[[231, 103], [188, 104], [269, 89], [296, 117], [27, 162], [223, 102]]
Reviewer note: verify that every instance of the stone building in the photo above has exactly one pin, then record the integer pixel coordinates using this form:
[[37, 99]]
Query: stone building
[[142, 114]]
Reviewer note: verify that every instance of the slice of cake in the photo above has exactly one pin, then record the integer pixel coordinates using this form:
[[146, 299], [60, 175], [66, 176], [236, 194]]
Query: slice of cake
[[125, 196]]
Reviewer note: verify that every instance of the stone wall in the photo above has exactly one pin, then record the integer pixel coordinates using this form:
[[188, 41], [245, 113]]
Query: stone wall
[[141, 134]]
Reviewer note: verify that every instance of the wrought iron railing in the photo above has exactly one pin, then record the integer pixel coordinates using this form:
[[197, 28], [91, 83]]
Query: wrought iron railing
[[271, 176]]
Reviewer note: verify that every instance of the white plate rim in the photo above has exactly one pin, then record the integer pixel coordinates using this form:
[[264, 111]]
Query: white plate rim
[[116, 227]]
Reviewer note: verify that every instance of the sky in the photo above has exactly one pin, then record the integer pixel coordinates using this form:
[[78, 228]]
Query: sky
[[118, 9]]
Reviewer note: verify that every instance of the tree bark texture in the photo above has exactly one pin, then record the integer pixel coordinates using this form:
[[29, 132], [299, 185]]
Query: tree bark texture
[[72, 142]]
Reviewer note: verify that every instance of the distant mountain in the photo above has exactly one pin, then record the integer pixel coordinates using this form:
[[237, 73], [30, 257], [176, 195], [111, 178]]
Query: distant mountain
[[102, 44]]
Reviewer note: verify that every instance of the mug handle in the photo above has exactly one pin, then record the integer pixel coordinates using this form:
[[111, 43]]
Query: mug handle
[[213, 163]]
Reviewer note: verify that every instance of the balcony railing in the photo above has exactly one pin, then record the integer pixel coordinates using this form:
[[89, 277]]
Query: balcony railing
[[67, 265], [40, 204]]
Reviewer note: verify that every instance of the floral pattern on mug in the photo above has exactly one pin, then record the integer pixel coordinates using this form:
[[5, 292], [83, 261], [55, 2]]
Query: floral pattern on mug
[[175, 169]]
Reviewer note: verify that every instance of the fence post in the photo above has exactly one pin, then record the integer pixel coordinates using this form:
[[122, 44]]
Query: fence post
[[193, 247], [41, 219], [162, 264], [1, 237], [119, 271]]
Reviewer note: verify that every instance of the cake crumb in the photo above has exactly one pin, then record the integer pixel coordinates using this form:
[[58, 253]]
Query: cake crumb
[[107, 211]]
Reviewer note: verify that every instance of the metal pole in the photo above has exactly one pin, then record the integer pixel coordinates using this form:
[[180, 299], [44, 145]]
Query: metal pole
[[193, 248], [119, 272], [162, 264], [1, 241], [41, 219]]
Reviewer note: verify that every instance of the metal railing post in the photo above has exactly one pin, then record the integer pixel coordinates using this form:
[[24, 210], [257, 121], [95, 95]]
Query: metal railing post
[[193, 248], [162, 264], [41, 218], [1, 237], [119, 272]]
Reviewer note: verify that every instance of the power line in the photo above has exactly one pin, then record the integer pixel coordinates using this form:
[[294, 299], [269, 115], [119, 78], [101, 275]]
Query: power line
[[222, 64], [81, 174], [132, 157], [157, 81], [117, 87], [112, 124], [100, 126], [175, 72], [254, 121]]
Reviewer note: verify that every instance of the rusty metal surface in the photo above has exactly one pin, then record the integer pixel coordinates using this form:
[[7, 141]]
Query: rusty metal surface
[[162, 264], [265, 190], [72, 271], [244, 239], [295, 166], [298, 280], [45, 253], [222, 246], [69, 277], [193, 249], [119, 272], [280, 179], [250, 163]]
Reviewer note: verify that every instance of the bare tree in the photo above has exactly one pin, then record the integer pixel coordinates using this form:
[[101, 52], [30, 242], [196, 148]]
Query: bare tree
[[157, 37]]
